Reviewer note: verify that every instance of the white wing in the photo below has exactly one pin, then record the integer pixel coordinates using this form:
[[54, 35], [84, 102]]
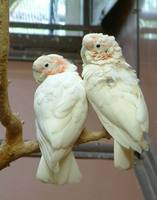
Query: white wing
[[61, 108], [121, 109]]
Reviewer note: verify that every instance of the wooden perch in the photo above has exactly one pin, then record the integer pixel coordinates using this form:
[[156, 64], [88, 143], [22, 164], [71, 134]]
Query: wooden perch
[[92, 136], [13, 145]]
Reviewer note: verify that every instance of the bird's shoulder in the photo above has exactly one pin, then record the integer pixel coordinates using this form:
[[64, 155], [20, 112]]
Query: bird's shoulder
[[54, 88], [121, 72]]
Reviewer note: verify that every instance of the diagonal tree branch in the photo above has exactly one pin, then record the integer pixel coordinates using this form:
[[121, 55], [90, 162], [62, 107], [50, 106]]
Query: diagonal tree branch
[[92, 136]]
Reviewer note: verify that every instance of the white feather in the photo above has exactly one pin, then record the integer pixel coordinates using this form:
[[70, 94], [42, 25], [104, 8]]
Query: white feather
[[113, 90], [61, 107], [123, 158], [115, 95]]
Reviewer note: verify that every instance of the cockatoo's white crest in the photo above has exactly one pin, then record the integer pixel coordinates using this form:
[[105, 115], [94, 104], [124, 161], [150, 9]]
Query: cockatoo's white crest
[[99, 48], [49, 65]]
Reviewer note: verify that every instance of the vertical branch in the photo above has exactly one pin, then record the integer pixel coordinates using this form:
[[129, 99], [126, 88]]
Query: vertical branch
[[12, 124]]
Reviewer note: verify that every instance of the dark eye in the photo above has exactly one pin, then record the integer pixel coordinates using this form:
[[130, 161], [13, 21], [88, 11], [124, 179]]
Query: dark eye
[[46, 65], [98, 46]]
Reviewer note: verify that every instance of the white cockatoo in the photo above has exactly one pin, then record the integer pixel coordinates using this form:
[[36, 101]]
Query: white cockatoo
[[113, 90], [60, 106]]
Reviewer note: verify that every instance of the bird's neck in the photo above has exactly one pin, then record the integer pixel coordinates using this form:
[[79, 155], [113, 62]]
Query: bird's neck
[[113, 66], [71, 67]]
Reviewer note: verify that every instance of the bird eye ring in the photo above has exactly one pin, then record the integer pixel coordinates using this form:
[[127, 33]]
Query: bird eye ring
[[46, 65], [98, 46]]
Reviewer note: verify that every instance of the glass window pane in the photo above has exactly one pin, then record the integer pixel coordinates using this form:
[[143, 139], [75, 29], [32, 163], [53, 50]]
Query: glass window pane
[[46, 12]]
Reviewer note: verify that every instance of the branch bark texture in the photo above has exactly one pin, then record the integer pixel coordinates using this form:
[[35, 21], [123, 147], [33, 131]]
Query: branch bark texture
[[13, 145]]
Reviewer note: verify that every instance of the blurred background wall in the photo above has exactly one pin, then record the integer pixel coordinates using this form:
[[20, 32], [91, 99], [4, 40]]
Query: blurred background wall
[[134, 24]]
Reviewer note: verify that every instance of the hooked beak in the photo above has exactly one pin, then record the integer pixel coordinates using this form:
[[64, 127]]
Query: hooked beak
[[38, 76]]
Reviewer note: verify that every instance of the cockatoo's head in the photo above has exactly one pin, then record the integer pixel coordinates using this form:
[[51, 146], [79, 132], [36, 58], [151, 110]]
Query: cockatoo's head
[[50, 65], [99, 49]]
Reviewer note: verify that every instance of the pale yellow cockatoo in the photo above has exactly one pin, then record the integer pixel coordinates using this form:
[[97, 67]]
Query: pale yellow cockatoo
[[61, 108], [113, 90]]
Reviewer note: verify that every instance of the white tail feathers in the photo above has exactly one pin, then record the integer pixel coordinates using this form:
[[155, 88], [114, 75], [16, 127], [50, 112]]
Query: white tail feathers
[[68, 171], [123, 158]]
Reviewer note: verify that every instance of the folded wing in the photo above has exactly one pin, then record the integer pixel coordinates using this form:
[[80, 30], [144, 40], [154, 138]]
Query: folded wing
[[123, 113], [61, 108]]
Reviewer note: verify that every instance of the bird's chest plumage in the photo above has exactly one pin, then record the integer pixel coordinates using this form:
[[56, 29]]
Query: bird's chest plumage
[[110, 76], [96, 78], [112, 82]]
